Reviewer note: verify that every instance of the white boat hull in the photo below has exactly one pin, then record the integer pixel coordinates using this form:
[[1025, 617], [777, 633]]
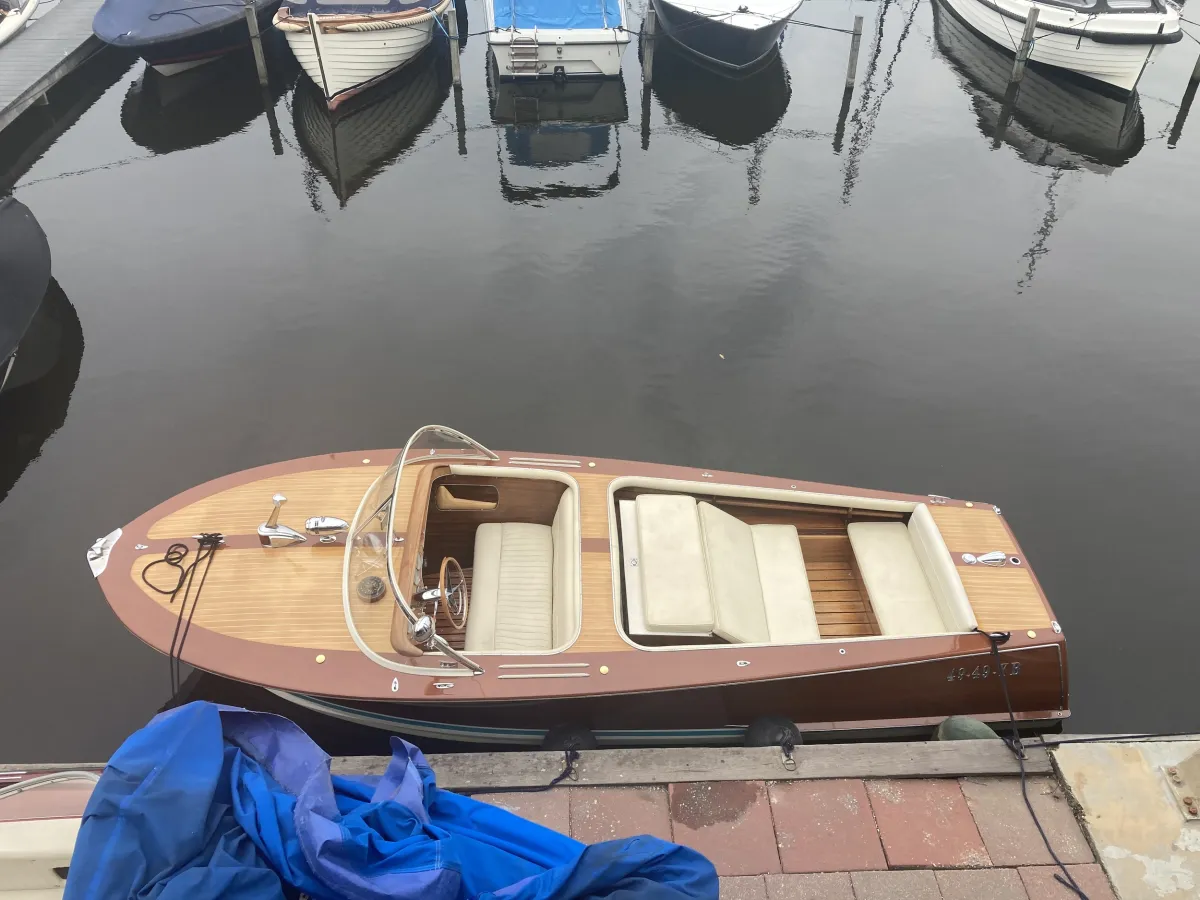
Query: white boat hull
[[1117, 64], [571, 53], [14, 24], [169, 69], [349, 61]]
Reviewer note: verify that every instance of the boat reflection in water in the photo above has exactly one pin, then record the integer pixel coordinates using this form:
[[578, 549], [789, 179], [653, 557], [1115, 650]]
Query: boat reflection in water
[[33, 404], [1054, 120], [369, 132], [734, 111], [206, 104], [558, 139]]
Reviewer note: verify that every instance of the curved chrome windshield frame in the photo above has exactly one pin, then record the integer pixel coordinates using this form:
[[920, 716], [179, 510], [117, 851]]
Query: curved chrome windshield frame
[[438, 641]]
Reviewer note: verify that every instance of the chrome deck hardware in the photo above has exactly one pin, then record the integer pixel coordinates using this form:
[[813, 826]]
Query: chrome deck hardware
[[326, 525], [422, 632], [272, 534], [995, 558]]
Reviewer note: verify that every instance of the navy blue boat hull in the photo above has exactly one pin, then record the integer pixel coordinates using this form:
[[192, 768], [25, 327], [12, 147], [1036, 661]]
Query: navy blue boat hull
[[163, 39], [725, 47], [206, 45]]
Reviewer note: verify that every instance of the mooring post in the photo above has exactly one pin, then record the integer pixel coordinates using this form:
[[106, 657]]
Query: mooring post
[[649, 26], [1185, 107], [452, 31], [260, 61], [460, 121], [855, 43], [1025, 48]]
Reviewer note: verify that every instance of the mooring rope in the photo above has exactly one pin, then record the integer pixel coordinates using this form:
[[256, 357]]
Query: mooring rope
[[206, 548], [996, 638]]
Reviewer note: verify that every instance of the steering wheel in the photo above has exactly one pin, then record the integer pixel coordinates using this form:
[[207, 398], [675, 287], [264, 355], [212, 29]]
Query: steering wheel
[[452, 587]]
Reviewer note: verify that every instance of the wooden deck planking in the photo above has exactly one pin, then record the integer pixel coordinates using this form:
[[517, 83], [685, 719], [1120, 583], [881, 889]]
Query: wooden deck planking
[[599, 631], [297, 601], [49, 48], [974, 529], [241, 509], [1004, 599], [593, 504]]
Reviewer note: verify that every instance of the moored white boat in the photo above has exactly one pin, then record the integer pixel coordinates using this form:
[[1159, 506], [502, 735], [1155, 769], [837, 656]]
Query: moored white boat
[[557, 38], [346, 48], [734, 36], [1107, 41], [13, 16]]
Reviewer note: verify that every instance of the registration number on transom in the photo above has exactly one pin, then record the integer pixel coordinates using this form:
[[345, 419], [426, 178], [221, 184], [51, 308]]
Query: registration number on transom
[[962, 673]]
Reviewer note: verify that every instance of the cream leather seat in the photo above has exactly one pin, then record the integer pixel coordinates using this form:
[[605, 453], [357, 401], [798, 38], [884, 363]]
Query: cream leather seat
[[523, 589], [909, 576], [692, 569]]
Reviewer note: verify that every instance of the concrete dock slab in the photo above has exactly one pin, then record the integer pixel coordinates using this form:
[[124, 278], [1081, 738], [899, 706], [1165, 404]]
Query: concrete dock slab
[[1149, 848]]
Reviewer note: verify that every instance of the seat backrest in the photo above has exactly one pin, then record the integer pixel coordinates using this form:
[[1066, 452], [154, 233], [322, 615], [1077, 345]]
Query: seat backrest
[[895, 580], [733, 582], [566, 556], [940, 571]]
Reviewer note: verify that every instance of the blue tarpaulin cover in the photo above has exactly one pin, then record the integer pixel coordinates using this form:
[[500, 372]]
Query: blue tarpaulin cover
[[140, 23], [209, 801], [530, 14]]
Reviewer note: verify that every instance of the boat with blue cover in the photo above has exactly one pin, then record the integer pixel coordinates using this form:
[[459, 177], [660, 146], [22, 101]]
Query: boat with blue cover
[[346, 46], [174, 36], [556, 38]]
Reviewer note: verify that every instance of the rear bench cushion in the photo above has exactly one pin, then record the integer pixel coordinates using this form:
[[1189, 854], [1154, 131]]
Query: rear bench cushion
[[675, 596], [892, 574], [511, 588], [733, 578], [787, 598]]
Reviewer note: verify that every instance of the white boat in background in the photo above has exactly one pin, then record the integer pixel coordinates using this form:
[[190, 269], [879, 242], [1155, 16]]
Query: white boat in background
[[1107, 41], [13, 16], [556, 38], [734, 36], [40, 817], [345, 47]]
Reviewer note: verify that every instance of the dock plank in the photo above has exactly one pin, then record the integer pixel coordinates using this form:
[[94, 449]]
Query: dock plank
[[49, 48]]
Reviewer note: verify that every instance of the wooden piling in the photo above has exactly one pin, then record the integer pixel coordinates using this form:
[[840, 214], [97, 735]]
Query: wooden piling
[[452, 31], [460, 121], [1025, 48], [855, 43], [649, 26], [260, 61]]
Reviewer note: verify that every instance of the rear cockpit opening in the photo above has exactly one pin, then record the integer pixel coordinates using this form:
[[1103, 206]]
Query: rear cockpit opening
[[698, 568]]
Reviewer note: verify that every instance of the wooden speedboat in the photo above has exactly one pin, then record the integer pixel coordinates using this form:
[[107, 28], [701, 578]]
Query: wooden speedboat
[[495, 597]]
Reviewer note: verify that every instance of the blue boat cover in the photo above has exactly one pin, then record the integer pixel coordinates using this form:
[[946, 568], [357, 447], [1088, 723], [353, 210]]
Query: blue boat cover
[[209, 801], [141, 23], [530, 14]]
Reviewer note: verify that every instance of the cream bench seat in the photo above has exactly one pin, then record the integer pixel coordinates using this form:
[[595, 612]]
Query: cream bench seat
[[910, 579], [692, 569], [522, 586]]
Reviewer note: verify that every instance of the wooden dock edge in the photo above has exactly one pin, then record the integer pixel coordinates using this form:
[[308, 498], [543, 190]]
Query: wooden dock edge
[[483, 771]]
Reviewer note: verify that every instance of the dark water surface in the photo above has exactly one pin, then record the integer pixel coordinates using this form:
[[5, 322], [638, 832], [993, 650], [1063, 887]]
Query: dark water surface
[[707, 275]]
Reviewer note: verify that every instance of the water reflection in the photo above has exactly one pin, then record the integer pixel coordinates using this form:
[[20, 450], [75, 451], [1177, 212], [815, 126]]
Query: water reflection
[[1052, 121], [734, 111], [353, 144], [206, 104], [34, 403], [558, 140]]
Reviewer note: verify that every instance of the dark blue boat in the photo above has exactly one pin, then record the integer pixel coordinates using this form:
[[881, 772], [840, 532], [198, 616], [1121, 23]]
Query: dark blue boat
[[24, 276], [176, 35]]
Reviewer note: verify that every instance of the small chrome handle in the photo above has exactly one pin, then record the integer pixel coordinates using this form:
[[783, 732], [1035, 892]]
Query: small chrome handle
[[326, 525]]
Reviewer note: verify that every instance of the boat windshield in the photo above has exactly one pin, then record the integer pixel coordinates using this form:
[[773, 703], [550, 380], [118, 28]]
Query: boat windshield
[[371, 588]]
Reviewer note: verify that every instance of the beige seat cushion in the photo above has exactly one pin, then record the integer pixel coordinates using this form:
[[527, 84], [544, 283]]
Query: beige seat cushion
[[895, 582], [675, 596], [733, 578], [787, 597], [566, 563], [512, 594]]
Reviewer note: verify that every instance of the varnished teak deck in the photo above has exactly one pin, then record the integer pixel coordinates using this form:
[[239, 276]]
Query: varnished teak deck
[[293, 597]]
